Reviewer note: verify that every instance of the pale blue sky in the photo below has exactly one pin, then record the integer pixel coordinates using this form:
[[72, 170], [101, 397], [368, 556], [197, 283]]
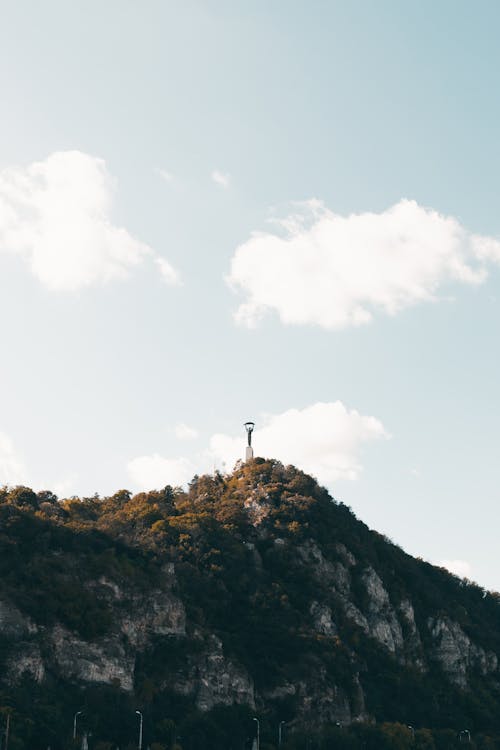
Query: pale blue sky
[[357, 104]]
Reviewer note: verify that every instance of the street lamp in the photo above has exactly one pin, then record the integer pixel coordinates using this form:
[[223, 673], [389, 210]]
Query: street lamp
[[464, 735], [140, 730], [280, 732], [7, 732], [78, 713], [258, 732]]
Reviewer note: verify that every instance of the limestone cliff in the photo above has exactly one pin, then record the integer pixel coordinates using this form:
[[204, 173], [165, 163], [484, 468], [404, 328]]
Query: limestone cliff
[[254, 590]]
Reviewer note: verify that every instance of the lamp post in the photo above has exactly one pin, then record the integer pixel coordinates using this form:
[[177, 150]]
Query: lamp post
[[78, 713], [139, 746], [258, 732], [7, 732], [409, 726], [280, 732], [464, 735]]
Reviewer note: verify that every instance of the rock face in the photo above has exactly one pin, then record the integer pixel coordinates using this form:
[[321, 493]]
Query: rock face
[[322, 617], [320, 699], [12, 623], [26, 660], [211, 679], [378, 619], [383, 623], [394, 628], [111, 660], [264, 606], [104, 661], [163, 615], [456, 654]]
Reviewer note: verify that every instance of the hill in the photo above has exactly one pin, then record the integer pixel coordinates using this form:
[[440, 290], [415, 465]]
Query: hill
[[250, 595]]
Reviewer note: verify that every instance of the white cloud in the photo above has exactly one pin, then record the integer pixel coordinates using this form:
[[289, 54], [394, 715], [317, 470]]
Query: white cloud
[[168, 272], [64, 486], [12, 469], [336, 271], [184, 432], [324, 439], [460, 568], [155, 471], [56, 214], [221, 178], [167, 176]]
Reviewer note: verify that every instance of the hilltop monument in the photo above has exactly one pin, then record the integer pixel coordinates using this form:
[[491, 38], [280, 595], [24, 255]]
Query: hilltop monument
[[249, 427]]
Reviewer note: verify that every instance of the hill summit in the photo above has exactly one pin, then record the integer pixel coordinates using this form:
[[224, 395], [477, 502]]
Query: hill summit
[[252, 595]]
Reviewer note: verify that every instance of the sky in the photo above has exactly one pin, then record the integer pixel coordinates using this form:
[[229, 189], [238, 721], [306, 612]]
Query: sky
[[217, 211]]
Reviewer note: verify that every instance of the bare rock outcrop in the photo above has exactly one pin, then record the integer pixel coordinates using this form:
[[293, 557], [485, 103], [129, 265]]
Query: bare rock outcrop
[[102, 661], [212, 679], [320, 699], [13, 624], [383, 623], [26, 659], [456, 654], [322, 619]]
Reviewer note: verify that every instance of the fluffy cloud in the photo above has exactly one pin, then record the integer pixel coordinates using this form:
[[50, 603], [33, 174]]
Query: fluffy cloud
[[222, 179], [155, 472], [184, 432], [168, 272], [64, 486], [460, 568], [337, 271], [12, 469], [324, 439], [56, 214], [167, 176]]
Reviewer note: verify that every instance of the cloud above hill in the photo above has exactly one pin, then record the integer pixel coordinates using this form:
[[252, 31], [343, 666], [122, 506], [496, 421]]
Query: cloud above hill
[[12, 468], [56, 215], [335, 271], [155, 471], [460, 568], [223, 179], [185, 432], [324, 439]]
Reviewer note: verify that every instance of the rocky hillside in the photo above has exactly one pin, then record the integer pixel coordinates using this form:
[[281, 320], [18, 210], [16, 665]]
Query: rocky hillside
[[251, 595]]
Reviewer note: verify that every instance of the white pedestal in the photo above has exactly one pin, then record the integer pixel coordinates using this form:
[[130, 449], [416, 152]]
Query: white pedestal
[[249, 453]]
